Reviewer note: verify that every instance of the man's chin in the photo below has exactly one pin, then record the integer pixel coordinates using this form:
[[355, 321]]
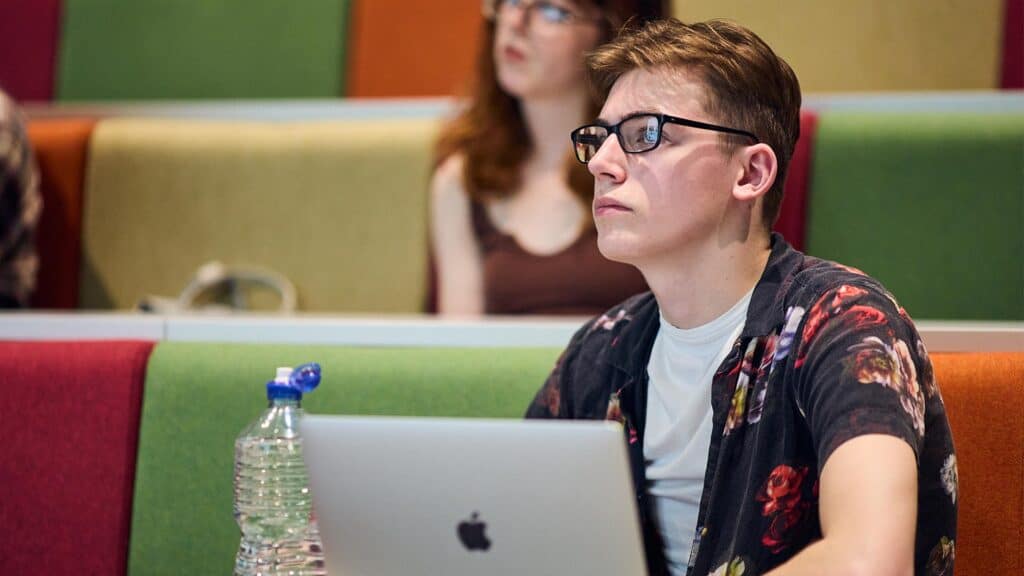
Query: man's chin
[[617, 249]]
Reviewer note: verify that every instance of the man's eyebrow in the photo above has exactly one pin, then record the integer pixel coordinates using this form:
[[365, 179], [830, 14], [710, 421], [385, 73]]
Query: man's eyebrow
[[606, 122]]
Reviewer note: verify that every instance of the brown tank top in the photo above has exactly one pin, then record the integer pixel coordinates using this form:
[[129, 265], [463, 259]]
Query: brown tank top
[[576, 281]]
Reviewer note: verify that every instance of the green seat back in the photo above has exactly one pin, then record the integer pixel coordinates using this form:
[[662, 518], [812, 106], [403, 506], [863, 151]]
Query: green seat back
[[186, 49], [930, 204], [198, 397], [338, 207]]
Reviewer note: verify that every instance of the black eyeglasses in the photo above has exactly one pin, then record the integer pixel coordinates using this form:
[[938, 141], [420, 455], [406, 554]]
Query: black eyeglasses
[[637, 133]]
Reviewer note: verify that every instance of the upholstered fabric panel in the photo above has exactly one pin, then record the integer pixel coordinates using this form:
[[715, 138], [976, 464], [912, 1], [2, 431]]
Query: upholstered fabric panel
[[1012, 56], [872, 45], [792, 222], [435, 56], [930, 204], [71, 418], [186, 49], [984, 396], [338, 207], [199, 397], [60, 147], [28, 45]]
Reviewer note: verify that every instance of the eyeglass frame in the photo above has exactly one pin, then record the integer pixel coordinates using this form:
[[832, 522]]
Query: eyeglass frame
[[490, 8], [662, 120]]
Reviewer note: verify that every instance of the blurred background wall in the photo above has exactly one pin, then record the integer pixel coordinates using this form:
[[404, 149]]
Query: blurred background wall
[[88, 50], [870, 45]]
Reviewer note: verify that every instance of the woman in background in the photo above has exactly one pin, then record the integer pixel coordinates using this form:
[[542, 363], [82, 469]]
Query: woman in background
[[511, 229]]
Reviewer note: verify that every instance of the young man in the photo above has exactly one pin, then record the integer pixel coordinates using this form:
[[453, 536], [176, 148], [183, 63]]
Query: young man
[[780, 410]]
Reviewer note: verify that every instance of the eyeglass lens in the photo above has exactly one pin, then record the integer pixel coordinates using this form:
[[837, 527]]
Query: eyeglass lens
[[636, 134], [588, 140]]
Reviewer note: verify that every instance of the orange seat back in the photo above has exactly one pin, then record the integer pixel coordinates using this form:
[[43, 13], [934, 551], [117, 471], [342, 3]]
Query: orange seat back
[[61, 147], [984, 396]]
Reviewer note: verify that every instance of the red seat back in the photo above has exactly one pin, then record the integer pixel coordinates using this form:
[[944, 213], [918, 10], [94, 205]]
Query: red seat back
[[71, 421], [792, 222]]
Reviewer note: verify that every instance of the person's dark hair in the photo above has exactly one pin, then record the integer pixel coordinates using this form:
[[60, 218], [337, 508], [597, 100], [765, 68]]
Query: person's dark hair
[[749, 86], [490, 131], [20, 207]]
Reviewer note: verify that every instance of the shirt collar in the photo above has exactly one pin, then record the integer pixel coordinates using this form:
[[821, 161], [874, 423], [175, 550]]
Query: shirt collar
[[767, 305], [765, 314]]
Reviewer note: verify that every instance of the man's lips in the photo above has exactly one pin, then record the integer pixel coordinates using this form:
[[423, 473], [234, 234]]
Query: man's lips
[[603, 206]]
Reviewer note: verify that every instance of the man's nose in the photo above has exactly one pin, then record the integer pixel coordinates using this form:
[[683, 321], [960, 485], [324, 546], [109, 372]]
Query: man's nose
[[609, 162]]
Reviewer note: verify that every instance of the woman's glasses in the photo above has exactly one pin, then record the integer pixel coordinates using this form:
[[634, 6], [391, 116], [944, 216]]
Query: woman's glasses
[[546, 12]]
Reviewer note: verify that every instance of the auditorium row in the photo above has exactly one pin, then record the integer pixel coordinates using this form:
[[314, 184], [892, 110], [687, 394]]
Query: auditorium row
[[333, 196]]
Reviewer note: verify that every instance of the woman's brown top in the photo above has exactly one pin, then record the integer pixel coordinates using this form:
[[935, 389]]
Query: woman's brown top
[[576, 281]]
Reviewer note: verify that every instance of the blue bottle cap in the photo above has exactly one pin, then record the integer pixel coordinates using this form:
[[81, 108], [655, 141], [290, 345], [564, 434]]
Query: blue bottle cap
[[282, 391], [303, 379]]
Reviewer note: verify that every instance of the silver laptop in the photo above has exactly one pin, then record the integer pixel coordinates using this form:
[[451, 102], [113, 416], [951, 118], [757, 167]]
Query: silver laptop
[[456, 497]]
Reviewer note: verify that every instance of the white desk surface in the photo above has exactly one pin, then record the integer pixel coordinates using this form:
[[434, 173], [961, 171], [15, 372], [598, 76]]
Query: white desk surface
[[408, 331]]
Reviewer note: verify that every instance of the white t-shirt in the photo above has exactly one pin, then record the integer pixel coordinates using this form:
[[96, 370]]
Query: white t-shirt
[[677, 433]]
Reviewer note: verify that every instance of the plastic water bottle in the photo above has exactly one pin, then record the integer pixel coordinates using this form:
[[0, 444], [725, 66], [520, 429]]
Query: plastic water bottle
[[273, 504]]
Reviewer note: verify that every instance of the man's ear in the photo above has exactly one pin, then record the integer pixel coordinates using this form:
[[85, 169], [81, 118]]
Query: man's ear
[[758, 169]]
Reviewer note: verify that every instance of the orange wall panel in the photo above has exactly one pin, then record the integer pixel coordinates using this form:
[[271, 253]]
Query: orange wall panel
[[403, 48]]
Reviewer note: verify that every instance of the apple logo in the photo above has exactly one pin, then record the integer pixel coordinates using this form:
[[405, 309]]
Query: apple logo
[[471, 534]]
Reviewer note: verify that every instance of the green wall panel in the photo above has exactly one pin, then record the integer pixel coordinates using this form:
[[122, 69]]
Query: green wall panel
[[930, 204], [196, 49]]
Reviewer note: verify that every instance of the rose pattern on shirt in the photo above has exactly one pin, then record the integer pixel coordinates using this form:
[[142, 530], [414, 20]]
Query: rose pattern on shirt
[[793, 317], [940, 561], [950, 477], [838, 304], [927, 373], [738, 409], [735, 567], [608, 321], [890, 365], [764, 373], [783, 501]]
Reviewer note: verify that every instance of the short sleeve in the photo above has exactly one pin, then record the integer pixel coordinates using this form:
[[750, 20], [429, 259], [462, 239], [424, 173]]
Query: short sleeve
[[859, 370]]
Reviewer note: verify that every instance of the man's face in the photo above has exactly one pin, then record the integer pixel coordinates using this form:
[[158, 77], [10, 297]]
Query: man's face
[[668, 201]]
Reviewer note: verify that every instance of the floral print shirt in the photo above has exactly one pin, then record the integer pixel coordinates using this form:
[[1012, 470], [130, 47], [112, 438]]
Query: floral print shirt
[[826, 355]]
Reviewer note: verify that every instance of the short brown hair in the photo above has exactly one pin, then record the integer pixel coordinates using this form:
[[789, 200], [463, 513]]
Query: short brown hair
[[750, 87]]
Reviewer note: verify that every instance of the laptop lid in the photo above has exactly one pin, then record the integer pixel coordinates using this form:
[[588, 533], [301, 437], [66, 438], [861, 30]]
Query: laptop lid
[[458, 497]]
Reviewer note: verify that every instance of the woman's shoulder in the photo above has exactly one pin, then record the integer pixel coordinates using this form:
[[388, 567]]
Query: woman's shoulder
[[450, 201], [447, 183]]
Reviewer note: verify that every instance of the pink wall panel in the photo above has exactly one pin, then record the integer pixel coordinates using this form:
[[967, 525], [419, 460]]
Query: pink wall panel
[[29, 32]]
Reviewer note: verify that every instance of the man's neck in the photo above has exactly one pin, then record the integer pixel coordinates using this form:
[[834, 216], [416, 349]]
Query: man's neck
[[696, 286]]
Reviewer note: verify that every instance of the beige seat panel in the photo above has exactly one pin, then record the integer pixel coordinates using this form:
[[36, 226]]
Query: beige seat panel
[[338, 207]]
